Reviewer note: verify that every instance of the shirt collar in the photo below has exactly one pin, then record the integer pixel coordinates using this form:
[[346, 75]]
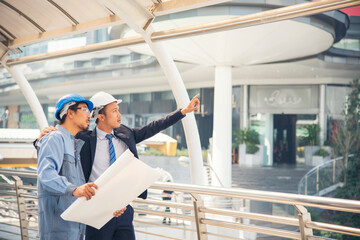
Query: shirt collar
[[64, 131], [101, 134]]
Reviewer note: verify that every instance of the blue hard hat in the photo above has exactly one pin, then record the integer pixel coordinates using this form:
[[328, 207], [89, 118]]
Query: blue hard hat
[[73, 97]]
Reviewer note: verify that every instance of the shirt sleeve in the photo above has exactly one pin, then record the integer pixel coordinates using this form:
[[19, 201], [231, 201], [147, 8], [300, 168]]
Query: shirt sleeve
[[50, 160]]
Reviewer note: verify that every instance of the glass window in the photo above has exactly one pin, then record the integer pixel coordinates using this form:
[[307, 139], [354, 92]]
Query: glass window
[[301, 134], [348, 44], [3, 117], [335, 100], [26, 118]]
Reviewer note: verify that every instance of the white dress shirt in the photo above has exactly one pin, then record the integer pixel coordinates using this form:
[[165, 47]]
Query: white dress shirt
[[102, 153]]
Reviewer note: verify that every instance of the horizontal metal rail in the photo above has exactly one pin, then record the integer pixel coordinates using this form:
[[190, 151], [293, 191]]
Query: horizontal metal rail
[[26, 174], [222, 236], [252, 216], [7, 185], [204, 215], [4, 192], [165, 204], [334, 228], [27, 195], [269, 16], [9, 208], [162, 225], [18, 234], [165, 214], [30, 188], [17, 218], [252, 228], [319, 238], [266, 196], [157, 235]]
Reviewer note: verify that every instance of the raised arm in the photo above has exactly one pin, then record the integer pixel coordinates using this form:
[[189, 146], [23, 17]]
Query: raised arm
[[156, 126]]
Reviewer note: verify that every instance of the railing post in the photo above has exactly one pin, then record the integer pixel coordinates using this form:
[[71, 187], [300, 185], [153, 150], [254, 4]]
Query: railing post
[[317, 179], [22, 209], [304, 217], [334, 169], [200, 227]]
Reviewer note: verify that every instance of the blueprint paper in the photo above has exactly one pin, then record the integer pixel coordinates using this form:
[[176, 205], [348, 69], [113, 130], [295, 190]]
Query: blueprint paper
[[119, 185]]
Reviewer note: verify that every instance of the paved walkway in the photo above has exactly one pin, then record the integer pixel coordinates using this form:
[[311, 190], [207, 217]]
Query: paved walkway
[[282, 178], [277, 179]]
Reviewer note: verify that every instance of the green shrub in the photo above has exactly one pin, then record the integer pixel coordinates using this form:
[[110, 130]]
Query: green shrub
[[251, 148], [182, 152], [322, 152], [152, 152]]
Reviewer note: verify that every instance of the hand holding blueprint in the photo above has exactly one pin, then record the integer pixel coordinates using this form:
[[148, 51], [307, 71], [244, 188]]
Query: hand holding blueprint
[[119, 185]]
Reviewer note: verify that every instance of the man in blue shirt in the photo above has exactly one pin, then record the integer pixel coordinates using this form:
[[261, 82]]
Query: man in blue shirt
[[60, 176]]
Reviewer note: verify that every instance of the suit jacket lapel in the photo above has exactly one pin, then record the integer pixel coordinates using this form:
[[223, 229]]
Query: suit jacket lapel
[[93, 140], [122, 137]]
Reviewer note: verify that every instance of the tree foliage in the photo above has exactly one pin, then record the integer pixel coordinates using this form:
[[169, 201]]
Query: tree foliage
[[346, 136], [346, 140]]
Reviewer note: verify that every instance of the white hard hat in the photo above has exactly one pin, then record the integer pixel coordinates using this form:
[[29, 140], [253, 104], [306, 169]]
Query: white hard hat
[[100, 100]]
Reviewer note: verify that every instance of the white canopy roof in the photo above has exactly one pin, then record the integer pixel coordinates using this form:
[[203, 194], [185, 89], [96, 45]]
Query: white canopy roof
[[27, 22]]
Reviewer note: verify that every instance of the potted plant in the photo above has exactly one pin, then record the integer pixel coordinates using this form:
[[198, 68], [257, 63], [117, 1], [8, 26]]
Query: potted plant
[[320, 156], [248, 142], [311, 142]]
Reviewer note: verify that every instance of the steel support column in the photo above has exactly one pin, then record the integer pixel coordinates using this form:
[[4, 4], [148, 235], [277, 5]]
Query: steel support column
[[182, 99], [322, 115], [221, 155], [139, 20], [245, 110], [269, 138], [30, 96]]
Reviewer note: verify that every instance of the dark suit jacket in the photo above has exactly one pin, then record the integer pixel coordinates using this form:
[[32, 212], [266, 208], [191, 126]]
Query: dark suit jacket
[[130, 136]]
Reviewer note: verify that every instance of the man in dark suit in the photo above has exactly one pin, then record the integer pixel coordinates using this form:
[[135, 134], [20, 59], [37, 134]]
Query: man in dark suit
[[106, 143]]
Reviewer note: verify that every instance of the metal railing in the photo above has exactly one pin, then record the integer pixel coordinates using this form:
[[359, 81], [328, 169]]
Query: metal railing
[[199, 212], [323, 178]]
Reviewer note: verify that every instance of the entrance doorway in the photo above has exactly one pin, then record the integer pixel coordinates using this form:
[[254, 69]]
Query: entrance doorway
[[284, 139]]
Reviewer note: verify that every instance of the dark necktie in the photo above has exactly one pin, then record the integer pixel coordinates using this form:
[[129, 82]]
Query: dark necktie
[[111, 149]]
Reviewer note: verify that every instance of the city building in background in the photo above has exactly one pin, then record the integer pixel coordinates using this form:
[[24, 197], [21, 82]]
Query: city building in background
[[281, 76]]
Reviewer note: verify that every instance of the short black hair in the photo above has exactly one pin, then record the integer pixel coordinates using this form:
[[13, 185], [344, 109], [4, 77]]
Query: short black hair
[[102, 111], [74, 108]]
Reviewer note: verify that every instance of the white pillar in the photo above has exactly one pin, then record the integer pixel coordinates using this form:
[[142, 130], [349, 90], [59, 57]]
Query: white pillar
[[245, 111], [30, 96], [269, 138], [182, 99], [322, 116], [222, 126], [135, 16]]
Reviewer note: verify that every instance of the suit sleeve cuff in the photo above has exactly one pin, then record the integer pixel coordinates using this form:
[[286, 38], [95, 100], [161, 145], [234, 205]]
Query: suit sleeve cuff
[[180, 113]]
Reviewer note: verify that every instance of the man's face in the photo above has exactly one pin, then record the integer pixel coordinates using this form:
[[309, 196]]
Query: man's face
[[112, 115], [82, 117]]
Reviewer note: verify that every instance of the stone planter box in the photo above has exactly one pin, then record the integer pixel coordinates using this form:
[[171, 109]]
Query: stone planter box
[[250, 160], [309, 152], [317, 160], [311, 159]]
